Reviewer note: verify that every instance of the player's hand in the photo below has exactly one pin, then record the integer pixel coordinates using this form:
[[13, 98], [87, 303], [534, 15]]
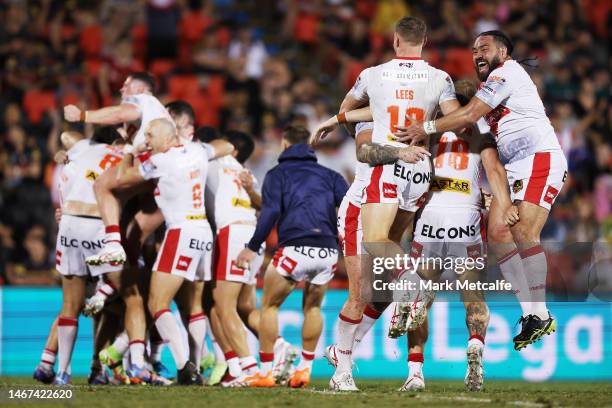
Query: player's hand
[[487, 199], [246, 179], [413, 154], [511, 216], [72, 113], [245, 257], [412, 134], [61, 157], [58, 214], [141, 148], [323, 130]]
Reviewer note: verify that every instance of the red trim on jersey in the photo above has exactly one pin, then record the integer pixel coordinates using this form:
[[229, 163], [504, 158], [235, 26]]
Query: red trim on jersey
[[408, 58], [351, 225], [538, 178], [373, 189], [532, 251], [166, 259], [112, 228], [221, 250]]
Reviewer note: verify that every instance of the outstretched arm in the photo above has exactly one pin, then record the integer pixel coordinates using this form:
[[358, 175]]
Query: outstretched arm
[[112, 115], [129, 175], [375, 154], [354, 116]]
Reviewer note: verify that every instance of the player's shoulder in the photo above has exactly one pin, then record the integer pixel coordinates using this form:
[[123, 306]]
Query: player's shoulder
[[508, 70]]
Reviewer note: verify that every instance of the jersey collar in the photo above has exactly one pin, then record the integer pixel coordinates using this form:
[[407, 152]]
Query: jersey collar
[[408, 58]]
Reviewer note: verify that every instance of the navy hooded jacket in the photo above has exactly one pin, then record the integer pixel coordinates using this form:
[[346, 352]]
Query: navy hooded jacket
[[302, 196]]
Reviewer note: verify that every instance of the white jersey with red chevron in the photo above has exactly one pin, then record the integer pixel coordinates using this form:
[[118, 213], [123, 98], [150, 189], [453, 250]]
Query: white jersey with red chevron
[[87, 160], [150, 109], [518, 119], [227, 201], [401, 91], [180, 173]]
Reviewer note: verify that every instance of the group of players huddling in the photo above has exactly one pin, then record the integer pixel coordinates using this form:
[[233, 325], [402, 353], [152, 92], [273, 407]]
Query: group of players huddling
[[421, 142]]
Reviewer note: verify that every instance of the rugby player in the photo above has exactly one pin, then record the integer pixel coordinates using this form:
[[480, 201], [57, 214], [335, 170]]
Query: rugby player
[[535, 164], [302, 196], [179, 171], [403, 89]]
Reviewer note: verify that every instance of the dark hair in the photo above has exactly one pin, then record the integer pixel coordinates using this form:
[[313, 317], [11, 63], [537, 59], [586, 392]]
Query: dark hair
[[146, 78], [464, 90], [206, 134], [243, 143], [296, 134], [106, 134], [180, 107], [501, 38], [411, 29]]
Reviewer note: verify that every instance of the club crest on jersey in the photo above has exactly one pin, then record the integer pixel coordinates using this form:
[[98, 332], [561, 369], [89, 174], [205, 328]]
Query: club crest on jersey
[[517, 186], [91, 175]]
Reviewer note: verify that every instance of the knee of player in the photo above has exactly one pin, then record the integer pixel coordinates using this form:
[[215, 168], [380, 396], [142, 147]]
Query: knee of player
[[525, 232], [499, 232]]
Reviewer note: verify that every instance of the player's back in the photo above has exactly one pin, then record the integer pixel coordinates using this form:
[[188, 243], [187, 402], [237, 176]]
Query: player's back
[[404, 90], [150, 109], [181, 172], [84, 168], [457, 169], [226, 200]]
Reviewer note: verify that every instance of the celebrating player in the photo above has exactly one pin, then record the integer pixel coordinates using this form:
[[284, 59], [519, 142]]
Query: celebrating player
[[302, 196], [536, 167]]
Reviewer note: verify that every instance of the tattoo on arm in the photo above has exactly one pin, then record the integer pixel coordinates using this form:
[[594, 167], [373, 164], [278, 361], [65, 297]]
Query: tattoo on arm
[[375, 154], [477, 318]]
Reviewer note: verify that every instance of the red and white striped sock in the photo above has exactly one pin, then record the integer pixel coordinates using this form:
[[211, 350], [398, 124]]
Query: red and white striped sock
[[346, 339], [513, 271], [47, 359], [476, 340], [137, 349], [306, 360], [106, 290], [169, 331], [536, 268], [266, 360], [370, 316], [67, 328], [415, 364], [248, 365], [197, 332], [233, 364], [112, 233]]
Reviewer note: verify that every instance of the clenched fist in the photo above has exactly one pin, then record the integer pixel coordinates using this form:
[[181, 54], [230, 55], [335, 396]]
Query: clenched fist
[[72, 113]]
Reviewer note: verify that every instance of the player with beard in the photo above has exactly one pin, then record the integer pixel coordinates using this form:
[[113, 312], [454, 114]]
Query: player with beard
[[536, 166]]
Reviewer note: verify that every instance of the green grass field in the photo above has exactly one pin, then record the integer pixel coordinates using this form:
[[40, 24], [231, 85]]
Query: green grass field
[[374, 393]]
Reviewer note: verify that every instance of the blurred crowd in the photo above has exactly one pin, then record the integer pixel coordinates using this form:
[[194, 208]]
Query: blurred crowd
[[257, 65]]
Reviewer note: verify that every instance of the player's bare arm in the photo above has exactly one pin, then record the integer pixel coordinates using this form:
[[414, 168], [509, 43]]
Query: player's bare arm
[[222, 148], [112, 115], [246, 180], [375, 154], [354, 116], [128, 175]]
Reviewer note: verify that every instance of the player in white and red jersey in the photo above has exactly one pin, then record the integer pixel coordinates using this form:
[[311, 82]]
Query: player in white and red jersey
[[402, 90], [536, 167], [81, 233], [179, 172]]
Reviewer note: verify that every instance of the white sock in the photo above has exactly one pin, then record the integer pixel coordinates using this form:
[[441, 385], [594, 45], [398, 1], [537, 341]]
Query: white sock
[[67, 328], [306, 360], [219, 355], [47, 360], [197, 332], [266, 360], [415, 364], [105, 291], [233, 364], [513, 271], [137, 349], [121, 343], [536, 268], [370, 316], [344, 346], [112, 233], [205, 350], [248, 365], [170, 333], [278, 344]]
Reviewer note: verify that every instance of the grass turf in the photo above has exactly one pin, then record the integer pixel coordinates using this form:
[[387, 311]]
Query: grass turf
[[374, 393]]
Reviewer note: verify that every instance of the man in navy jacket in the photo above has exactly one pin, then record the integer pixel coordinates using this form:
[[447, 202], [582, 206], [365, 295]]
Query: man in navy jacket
[[301, 197]]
